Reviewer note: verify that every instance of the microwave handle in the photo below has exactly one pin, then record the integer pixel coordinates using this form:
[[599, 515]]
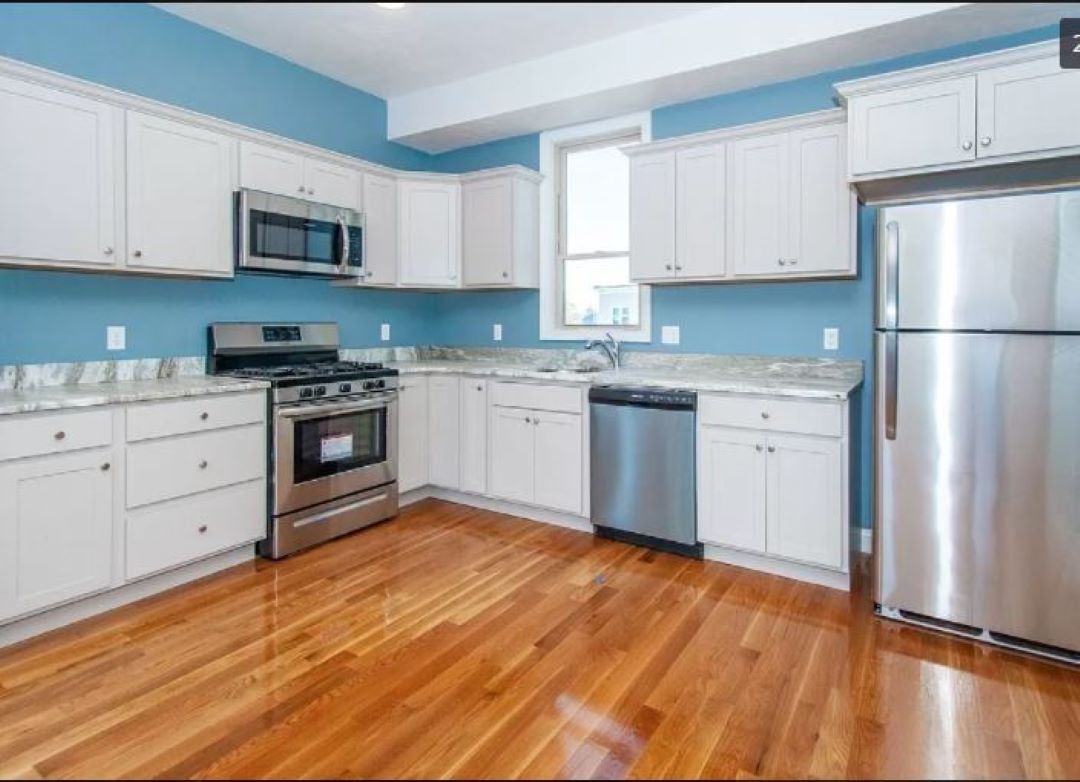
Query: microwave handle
[[343, 247]]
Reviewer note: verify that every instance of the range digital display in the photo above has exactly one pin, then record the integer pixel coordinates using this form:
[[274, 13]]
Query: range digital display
[[281, 333]]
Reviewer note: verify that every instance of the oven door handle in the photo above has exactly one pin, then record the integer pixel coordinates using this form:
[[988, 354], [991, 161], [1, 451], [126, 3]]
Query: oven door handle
[[320, 411]]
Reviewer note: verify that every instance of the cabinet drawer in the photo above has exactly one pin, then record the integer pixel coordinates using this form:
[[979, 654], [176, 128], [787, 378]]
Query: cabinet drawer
[[173, 467], [532, 396], [186, 416], [776, 415], [191, 528], [39, 435]]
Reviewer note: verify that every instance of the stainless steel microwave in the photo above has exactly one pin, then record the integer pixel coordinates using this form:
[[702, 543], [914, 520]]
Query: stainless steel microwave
[[291, 236]]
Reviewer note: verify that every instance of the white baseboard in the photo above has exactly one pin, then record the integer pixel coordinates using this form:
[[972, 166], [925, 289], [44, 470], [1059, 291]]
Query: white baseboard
[[567, 520], [60, 616], [779, 567]]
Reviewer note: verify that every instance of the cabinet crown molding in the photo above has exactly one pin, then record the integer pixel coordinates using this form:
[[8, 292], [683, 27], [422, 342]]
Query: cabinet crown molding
[[735, 132], [924, 73]]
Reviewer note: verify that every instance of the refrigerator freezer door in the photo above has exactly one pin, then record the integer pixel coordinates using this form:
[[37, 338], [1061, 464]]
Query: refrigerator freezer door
[[989, 264], [977, 506]]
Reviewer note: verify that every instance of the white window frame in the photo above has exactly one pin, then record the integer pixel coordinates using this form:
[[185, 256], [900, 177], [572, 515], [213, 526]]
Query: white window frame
[[551, 300]]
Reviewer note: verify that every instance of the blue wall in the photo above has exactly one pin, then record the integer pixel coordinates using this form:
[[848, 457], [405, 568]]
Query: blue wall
[[54, 316]]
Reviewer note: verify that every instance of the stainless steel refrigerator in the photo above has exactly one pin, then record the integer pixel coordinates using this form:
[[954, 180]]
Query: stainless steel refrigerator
[[977, 427]]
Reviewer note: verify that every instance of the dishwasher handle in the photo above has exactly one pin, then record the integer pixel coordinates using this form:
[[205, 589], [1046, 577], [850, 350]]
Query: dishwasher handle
[[636, 396]]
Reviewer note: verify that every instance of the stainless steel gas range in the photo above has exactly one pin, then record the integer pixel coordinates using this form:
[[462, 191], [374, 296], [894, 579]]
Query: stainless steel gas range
[[332, 446]]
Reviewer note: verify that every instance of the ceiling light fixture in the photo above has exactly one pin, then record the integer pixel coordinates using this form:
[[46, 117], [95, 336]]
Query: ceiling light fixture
[[391, 6]]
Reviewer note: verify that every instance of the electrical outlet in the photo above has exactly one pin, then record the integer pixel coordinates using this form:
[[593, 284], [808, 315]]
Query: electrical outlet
[[496, 332], [830, 339], [384, 332], [669, 335], [116, 337]]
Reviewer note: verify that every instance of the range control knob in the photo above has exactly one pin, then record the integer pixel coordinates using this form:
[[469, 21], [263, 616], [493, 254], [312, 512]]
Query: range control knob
[[369, 384], [345, 388], [320, 391], [380, 384], [306, 393]]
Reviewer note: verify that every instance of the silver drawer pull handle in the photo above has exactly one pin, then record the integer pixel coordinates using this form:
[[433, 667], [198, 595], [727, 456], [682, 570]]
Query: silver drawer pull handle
[[60, 435], [203, 464], [202, 529], [204, 416]]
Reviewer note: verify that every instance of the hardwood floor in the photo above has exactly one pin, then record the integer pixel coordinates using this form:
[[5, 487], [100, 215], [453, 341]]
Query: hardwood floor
[[454, 642]]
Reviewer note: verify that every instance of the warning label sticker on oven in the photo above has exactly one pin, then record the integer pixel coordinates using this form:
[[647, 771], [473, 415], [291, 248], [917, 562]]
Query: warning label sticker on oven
[[336, 448]]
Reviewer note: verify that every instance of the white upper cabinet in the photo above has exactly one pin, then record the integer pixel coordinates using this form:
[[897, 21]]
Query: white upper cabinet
[[281, 171], [700, 212], [1011, 107], [429, 233], [758, 205], [922, 125], [380, 204], [652, 216], [500, 236], [1028, 107], [820, 203], [179, 197], [58, 165]]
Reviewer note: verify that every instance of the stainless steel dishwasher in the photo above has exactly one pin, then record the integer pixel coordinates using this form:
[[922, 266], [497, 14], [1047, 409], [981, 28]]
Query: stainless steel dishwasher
[[642, 466]]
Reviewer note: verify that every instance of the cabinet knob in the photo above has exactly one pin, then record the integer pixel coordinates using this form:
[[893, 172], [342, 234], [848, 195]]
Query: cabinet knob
[[60, 435], [781, 261], [311, 191], [300, 189], [678, 268], [985, 141], [108, 251], [764, 415], [137, 253], [528, 420], [536, 422], [203, 464], [479, 388], [759, 448], [966, 146], [667, 266], [203, 416], [105, 467], [505, 275], [202, 529], [772, 449]]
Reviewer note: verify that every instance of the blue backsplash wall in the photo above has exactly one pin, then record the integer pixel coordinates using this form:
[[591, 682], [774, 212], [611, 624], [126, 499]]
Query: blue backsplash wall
[[57, 316]]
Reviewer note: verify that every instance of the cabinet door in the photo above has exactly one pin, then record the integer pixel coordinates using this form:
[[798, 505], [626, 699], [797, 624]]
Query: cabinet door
[[488, 239], [758, 204], [55, 530], [731, 487], [271, 170], [380, 215], [820, 204], [444, 433], [805, 491], [412, 433], [180, 192], [429, 233], [474, 419], [331, 184], [1020, 108], [559, 447], [700, 212], [512, 460], [58, 164], [652, 216], [925, 125]]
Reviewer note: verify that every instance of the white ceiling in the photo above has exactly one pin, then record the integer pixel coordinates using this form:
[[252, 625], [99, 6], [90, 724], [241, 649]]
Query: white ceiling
[[390, 53]]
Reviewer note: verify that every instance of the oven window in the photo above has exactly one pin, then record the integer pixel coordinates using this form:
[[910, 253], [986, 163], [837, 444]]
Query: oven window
[[339, 443], [292, 238]]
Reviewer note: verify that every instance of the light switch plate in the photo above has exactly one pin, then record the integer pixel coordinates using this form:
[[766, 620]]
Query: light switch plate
[[384, 332], [830, 339], [669, 335], [496, 332], [116, 337]]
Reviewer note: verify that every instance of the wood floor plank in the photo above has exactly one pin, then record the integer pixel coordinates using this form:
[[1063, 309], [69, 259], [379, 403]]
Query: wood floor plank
[[457, 642]]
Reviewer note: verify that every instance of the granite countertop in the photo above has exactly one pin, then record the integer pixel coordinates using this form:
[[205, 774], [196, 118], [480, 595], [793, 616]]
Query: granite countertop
[[804, 378], [63, 397]]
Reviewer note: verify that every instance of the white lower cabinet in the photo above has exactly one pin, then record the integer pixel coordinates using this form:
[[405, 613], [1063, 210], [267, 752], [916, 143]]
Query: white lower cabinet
[[412, 433], [474, 430], [513, 461], [444, 433], [771, 492], [56, 525], [558, 461]]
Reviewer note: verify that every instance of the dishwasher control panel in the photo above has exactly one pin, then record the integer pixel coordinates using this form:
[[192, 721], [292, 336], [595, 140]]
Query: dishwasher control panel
[[645, 397]]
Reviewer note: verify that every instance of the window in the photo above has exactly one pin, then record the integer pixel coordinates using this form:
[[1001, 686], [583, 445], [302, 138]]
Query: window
[[594, 234]]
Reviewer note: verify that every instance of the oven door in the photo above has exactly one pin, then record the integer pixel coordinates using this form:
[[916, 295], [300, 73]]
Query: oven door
[[281, 234], [324, 451]]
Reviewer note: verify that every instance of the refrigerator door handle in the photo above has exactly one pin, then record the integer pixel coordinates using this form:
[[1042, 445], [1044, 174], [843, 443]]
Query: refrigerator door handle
[[892, 273], [891, 367]]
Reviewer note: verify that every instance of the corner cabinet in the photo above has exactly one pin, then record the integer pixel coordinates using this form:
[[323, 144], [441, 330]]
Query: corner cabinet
[[1004, 107], [773, 482], [756, 202], [429, 232], [501, 229]]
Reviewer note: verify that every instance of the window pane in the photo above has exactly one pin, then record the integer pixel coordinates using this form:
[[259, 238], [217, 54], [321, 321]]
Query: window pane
[[596, 292], [597, 201]]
